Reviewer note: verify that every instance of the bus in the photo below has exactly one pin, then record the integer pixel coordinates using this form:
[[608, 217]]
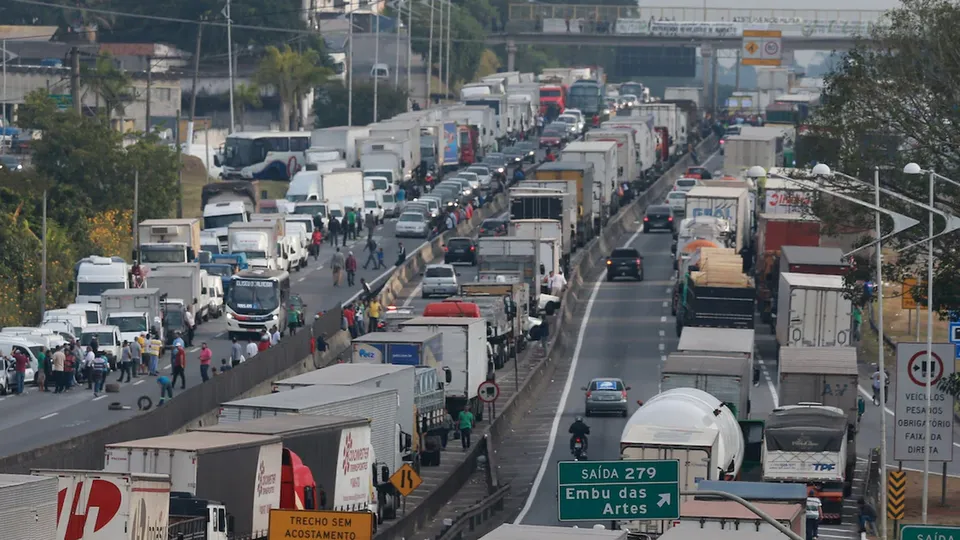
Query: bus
[[257, 301], [792, 109], [263, 155], [587, 96]]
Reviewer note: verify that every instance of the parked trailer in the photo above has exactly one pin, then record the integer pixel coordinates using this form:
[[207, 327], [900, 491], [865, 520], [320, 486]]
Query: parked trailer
[[813, 311], [826, 375], [29, 509]]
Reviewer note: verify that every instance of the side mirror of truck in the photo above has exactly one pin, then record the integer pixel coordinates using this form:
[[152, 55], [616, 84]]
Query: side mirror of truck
[[190, 254], [216, 160], [627, 389], [447, 375]]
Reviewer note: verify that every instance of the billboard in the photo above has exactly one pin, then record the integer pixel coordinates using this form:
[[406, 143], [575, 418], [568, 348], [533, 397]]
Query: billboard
[[656, 61]]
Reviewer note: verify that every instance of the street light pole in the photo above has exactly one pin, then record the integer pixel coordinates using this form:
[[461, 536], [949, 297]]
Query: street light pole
[[929, 363], [440, 46], [350, 71], [449, 45], [396, 64], [409, 49], [429, 57], [229, 64], [376, 67]]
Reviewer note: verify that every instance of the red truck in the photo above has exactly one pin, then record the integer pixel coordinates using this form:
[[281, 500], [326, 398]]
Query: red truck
[[554, 95], [469, 138], [775, 231]]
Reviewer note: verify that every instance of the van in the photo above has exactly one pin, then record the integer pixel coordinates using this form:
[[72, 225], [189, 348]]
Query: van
[[305, 186], [204, 300], [65, 329], [43, 336], [108, 340], [10, 344], [213, 287], [78, 321], [92, 312], [452, 308]]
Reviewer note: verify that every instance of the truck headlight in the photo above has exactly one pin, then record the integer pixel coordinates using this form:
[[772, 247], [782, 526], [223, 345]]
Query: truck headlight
[[230, 316]]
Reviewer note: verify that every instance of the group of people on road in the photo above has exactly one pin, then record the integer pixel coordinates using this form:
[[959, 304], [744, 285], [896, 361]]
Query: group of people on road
[[363, 316]]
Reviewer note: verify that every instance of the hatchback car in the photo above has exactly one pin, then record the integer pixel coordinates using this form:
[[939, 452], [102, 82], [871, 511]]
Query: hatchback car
[[573, 124], [497, 162], [530, 148], [699, 172], [625, 262], [494, 227], [659, 217], [471, 177], [677, 200], [515, 156], [412, 224], [460, 250], [686, 184], [439, 280], [554, 136], [484, 175], [608, 396]]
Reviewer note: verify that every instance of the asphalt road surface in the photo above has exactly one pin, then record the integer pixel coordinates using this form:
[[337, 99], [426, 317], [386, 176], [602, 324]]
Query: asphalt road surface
[[37, 419]]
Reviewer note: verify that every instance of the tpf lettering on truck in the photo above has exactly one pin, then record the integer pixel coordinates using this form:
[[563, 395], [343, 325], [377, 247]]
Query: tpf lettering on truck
[[724, 211]]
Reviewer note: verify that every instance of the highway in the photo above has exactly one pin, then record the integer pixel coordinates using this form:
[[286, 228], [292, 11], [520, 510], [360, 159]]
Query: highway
[[37, 419]]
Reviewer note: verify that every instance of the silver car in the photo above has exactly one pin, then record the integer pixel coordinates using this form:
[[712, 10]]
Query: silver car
[[439, 280], [483, 174], [412, 224], [607, 396], [471, 177]]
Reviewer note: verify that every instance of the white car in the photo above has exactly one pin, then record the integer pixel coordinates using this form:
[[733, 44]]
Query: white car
[[572, 123], [108, 340], [581, 119], [439, 279], [373, 203], [483, 175], [412, 224], [293, 254], [214, 289], [686, 184], [677, 201], [471, 177], [390, 206]]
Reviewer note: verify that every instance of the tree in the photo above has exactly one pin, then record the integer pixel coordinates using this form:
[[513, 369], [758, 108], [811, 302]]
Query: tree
[[38, 108], [331, 103], [245, 95], [110, 84], [292, 74], [466, 32]]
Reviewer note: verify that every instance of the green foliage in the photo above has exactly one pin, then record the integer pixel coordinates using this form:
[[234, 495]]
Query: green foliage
[[466, 32], [109, 83], [292, 74], [331, 103], [893, 100], [38, 107]]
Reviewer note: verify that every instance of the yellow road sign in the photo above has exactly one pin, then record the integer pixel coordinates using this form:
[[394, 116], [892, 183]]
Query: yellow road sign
[[406, 480], [907, 301], [286, 524], [751, 47], [896, 494], [762, 33]]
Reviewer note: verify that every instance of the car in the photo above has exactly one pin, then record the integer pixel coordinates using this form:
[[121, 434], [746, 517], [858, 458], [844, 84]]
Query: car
[[514, 155], [685, 184], [466, 190], [371, 204], [553, 136], [471, 177], [418, 207], [497, 163], [413, 224], [530, 148], [439, 280], [677, 200], [11, 163], [494, 227], [572, 122], [625, 262], [484, 175], [701, 173], [606, 395], [434, 204], [449, 195], [460, 250], [658, 217], [581, 118]]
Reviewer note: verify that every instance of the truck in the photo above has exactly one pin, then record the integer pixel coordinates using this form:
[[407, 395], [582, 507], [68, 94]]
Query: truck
[[424, 349], [483, 123], [378, 142], [715, 292], [813, 311], [408, 130], [415, 423], [553, 98], [344, 187], [505, 307], [290, 251], [666, 115], [341, 139], [558, 176], [731, 204], [825, 375], [718, 361], [702, 518], [312, 479], [498, 104], [380, 405], [685, 93], [744, 151], [30, 507], [500, 256], [180, 282], [465, 357], [257, 240], [688, 425], [95, 274], [542, 204], [814, 445], [133, 311], [225, 203], [773, 232], [645, 141], [827, 261], [603, 155], [388, 166], [168, 241], [628, 161], [508, 531], [242, 471]]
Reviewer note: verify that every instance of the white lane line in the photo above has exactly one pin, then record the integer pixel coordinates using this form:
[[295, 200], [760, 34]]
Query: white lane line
[[663, 332], [663, 319], [413, 295], [138, 382], [665, 303], [301, 280], [51, 415], [663, 358], [868, 396], [669, 290], [195, 349], [554, 429], [98, 398], [166, 367], [221, 334], [662, 347], [766, 375]]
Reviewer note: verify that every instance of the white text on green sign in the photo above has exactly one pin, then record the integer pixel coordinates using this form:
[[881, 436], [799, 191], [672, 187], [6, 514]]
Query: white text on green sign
[[620, 490]]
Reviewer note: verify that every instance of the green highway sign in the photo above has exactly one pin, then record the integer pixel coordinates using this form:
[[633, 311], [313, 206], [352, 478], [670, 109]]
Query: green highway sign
[[929, 532], [619, 490], [63, 101]]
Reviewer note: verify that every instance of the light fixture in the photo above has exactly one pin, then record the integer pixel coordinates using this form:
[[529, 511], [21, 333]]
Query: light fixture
[[912, 168], [821, 169], [756, 172]]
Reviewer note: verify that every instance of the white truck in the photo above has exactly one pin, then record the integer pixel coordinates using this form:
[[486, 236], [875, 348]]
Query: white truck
[[289, 250], [196, 464], [341, 139], [645, 140], [388, 167], [258, 241], [168, 240], [306, 186], [529, 204], [378, 404], [28, 505], [744, 151], [505, 256], [628, 160], [530, 89], [133, 311], [95, 274], [825, 375], [138, 508], [464, 357], [405, 132], [731, 204], [666, 115], [813, 310], [227, 202], [482, 118], [521, 118], [498, 104], [343, 187], [686, 93], [182, 282], [688, 425], [603, 155]]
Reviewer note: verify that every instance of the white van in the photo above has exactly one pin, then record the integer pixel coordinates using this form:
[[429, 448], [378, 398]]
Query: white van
[[77, 321], [213, 287], [108, 340], [10, 344], [305, 186], [92, 312], [204, 300], [42, 336], [65, 329], [390, 206], [373, 202], [294, 251]]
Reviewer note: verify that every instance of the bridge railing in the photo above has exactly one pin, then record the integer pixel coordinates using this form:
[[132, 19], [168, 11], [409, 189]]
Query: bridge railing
[[687, 21]]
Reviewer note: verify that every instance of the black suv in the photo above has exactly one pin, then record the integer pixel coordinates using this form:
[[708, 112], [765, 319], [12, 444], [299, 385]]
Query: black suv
[[460, 250], [658, 217], [625, 262]]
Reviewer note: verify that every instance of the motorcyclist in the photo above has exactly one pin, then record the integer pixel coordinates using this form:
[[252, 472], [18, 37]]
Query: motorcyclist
[[518, 175], [579, 429]]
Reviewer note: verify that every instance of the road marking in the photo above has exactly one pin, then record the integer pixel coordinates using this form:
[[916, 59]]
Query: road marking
[[320, 267], [195, 349], [766, 375], [554, 429], [663, 358], [663, 332], [221, 334], [98, 398], [166, 367], [138, 382], [662, 347], [663, 319], [301, 279], [51, 415], [668, 292], [416, 292], [665, 303]]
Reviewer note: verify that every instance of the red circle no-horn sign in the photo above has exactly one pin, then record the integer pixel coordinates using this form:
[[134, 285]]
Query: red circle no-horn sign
[[917, 368]]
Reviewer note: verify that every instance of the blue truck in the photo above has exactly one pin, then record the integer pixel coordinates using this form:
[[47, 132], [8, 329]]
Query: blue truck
[[400, 348]]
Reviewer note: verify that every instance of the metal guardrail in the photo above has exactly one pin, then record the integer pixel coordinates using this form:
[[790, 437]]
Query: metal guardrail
[[873, 483], [476, 515]]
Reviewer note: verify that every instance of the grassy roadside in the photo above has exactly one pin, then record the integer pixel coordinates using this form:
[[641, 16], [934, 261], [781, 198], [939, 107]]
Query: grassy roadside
[[195, 177]]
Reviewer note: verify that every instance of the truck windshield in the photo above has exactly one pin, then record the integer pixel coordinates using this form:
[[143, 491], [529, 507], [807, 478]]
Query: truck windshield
[[156, 253], [311, 210], [252, 296], [370, 204], [253, 254], [128, 323], [296, 198], [212, 248], [379, 184], [103, 338], [549, 93], [96, 289], [173, 319], [221, 222], [387, 175], [241, 152]]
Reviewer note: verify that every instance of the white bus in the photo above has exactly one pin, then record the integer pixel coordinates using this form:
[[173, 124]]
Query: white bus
[[263, 155], [257, 300]]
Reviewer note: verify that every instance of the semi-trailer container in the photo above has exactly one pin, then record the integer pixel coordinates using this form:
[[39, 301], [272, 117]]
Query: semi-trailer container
[[729, 203], [813, 260], [825, 375], [716, 360], [813, 311], [29, 509], [400, 349]]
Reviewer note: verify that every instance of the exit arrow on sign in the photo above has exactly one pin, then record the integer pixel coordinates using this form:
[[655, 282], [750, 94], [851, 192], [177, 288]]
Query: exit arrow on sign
[[664, 499]]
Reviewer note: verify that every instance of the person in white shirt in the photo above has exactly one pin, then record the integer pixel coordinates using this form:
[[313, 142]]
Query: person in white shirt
[[189, 321], [275, 336], [814, 514], [251, 349], [88, 359], [557, 283]]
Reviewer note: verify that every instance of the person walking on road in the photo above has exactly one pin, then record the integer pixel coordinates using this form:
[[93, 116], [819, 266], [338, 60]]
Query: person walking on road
[[371, 223], [333, 225], [179, 368], [371, 248], [59, 359], [814, 514], [125, 361], [315, 241], [205, 356], [98, 371], [252, 349], [153, 351], [336, 266], [401, 253], [466, 426], [137, 367], [236, 351], [21, 361], [373, 314], [557, 283], [88, 359], [351, 225], [351, 266], [191, 323]]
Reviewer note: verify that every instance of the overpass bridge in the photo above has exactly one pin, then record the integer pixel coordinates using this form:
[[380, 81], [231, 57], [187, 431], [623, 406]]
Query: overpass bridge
[[711, 29]]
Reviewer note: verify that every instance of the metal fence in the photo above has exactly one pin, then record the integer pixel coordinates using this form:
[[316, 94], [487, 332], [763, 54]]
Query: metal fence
[[86, 451], [531, 11]]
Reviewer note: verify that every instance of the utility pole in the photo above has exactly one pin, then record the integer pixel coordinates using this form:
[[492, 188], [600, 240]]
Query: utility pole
[[43, 256], [440, 46], [179, 170], [396, 65], [230, 62], [149, 86], [429, 57], [75, 78], [193, 92], [376, 66], [350, 72], [449, 44], [409, 48], [3, 115], [136, 212]]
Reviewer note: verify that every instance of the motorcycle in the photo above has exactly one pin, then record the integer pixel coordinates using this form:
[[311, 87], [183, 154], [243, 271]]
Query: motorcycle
[[578, 452]]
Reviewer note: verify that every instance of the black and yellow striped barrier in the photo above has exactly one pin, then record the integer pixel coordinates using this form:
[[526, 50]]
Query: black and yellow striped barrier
[[896, 494]]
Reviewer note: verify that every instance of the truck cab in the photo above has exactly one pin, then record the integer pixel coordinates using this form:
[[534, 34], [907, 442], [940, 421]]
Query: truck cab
[[95, 274], [168, 241], [198, 519], [108, 340]]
